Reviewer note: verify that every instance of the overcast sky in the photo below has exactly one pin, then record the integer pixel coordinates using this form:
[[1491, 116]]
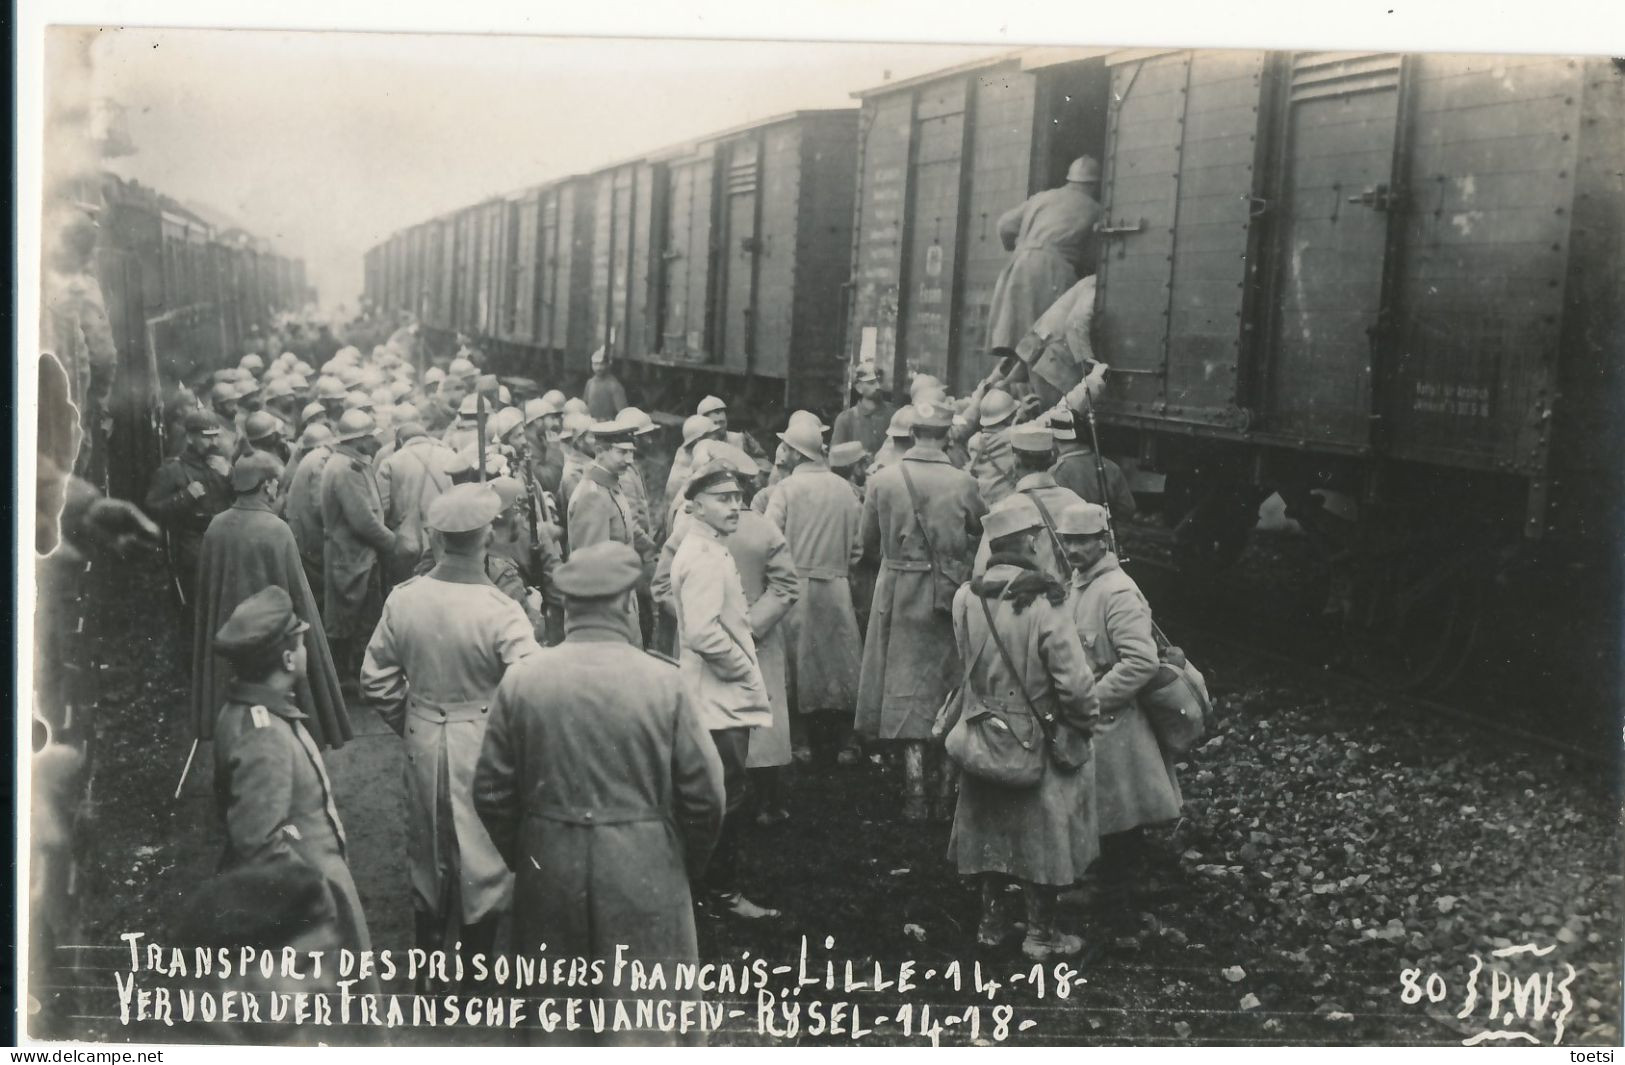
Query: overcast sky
[[325, 143]]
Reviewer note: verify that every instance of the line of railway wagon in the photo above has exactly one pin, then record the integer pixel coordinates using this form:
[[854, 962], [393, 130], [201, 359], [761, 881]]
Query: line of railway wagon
[[1392, 281]]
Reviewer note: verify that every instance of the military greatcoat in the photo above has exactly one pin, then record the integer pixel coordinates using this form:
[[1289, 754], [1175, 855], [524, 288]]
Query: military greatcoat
[[602, 790], [274, 794], [909, 659], [1045, 834], [1135, 782], [823, 523], [432, 667], [356, 540]]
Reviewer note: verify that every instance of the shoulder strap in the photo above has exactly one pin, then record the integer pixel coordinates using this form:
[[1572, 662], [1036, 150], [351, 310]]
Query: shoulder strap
[[1045, 721], [1049, 527], [914, 501]]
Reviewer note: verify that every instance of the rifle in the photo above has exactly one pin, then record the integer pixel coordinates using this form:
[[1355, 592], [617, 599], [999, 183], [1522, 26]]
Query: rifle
[[1100, 474]]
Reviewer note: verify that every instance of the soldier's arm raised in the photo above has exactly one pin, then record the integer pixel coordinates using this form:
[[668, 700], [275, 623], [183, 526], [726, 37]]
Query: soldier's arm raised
[[496, 790], [696, 781], [383, 681]]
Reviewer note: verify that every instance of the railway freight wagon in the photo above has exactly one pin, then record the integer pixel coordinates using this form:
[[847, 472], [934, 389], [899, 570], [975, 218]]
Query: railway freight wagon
[[714, 266], [1391, 278], [180, 298]]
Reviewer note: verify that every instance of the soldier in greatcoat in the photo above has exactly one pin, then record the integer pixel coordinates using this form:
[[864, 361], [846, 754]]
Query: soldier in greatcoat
[[247, 549], [302, 502], [719, 661], [909, 659], [598, 783], [823, 522], [409, 480], [441, 648], [768, 574], [1044, 836], [1052, 240], [1034, 449], [270, 783], [356, 542], [599, 510], [1136, 783]]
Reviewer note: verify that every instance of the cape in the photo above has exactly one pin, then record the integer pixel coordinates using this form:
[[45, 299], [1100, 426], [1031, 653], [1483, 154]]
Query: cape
[[246, 549]]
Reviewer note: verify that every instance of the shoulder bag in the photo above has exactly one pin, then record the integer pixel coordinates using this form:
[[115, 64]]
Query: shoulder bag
[[1176, 700], [1001, 744]]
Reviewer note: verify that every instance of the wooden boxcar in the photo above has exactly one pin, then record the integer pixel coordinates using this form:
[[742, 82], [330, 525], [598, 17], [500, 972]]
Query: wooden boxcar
[[940, 157], [715, 265]]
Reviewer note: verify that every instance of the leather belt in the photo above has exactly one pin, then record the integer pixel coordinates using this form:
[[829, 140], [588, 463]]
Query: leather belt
[[820, 573], [907, 565], [578, 815], [442, 713]]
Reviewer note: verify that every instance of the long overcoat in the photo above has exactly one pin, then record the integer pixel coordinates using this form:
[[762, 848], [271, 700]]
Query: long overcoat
[[186, 517], [246, 550], [909, 659], [432, 667], [1135, 782], [273, 792], [411, 478], [302, 509], [716, 651], [603, 792], [1052, 239], [768, 575], [1045, 834], [823, 522], [355, 542]]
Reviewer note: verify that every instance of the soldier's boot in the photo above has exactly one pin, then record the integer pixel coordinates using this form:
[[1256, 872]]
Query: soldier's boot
[[1044, 940], [915, 807], [946, 797], [993, 929]]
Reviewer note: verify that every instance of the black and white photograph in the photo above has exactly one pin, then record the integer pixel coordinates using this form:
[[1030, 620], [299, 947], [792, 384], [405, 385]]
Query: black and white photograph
[[1016, 532]]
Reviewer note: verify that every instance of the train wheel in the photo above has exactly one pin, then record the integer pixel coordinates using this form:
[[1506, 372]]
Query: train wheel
[[1416, 626], [1214, 530]]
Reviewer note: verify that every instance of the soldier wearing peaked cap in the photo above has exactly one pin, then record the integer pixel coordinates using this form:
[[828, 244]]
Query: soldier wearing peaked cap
[[719, 659], [1033, 446], [441, 647], [1136, 783], [247, 549], [598, 783], [271, 785], [598, 508]]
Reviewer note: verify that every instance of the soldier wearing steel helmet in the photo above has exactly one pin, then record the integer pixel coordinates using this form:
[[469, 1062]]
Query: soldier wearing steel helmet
[[1052, 241], [355, 542], [992, 462], [432, 666], [921, 520], [187, 492]]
